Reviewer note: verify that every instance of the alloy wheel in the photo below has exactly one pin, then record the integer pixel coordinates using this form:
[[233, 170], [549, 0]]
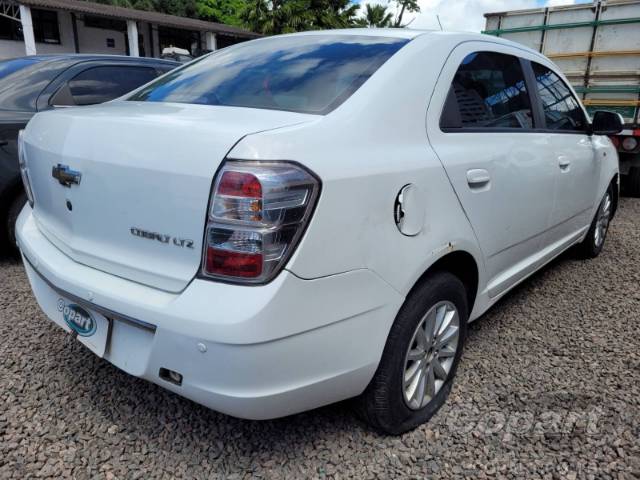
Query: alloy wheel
[[602, 221], [431, 354]]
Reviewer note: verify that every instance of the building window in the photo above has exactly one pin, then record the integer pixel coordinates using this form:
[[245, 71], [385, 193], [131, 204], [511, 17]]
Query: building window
[[45, 27], [10, 29]]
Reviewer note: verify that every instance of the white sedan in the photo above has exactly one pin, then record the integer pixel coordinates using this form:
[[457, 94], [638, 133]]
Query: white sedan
[[302, 219]]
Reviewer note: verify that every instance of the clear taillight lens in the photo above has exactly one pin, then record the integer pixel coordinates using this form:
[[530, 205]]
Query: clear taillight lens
[[24, 170], [257, 214]]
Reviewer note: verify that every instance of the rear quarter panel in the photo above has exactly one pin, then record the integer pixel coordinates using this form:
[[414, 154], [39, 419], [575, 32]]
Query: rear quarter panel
[[365, 152]]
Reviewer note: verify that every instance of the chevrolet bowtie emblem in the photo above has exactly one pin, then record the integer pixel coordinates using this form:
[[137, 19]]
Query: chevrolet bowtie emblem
[[65, 175]]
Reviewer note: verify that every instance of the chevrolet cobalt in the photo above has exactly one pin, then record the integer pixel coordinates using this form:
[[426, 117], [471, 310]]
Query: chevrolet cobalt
[[303, 219]]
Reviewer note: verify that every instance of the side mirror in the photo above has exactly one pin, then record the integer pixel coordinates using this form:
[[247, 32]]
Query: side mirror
[[606, 123]]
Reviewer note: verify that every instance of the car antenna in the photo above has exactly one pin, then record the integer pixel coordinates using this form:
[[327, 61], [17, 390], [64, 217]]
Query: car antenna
[[439, 23]]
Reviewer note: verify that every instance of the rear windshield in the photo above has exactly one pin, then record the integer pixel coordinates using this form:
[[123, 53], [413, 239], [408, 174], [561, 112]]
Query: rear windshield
[[308, 74]]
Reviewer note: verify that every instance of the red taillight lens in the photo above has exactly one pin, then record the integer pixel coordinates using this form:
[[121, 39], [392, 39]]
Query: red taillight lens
[[229, 263], [615, 141], [240, 184], [257, 213]]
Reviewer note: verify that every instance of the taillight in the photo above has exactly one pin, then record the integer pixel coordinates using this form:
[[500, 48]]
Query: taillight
[[257, 214], [629, 144], [615, 141], [24, 170]]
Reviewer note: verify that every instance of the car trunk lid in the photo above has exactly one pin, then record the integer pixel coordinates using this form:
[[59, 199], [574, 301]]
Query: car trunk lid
[[145, 173]]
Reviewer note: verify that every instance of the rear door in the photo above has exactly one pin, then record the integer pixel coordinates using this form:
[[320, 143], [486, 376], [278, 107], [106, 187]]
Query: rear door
[[482, 126], [577, 166]]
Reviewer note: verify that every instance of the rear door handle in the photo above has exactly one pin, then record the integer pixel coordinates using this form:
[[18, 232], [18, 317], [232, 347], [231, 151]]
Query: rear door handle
[[478, 178], [564, 163]]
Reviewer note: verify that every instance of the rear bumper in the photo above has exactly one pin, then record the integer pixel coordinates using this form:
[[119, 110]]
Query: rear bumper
[[251, 352]]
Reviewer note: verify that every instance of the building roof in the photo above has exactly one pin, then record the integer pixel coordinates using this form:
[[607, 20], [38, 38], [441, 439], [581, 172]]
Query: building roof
[[123, 13]]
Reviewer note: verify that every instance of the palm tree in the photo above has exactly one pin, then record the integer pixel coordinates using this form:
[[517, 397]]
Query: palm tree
[[377, 16], [271, 17], [405, 5]]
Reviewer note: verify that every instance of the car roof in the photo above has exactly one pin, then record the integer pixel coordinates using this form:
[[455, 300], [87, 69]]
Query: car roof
[[411, 33], [83, 57], [363, 32]]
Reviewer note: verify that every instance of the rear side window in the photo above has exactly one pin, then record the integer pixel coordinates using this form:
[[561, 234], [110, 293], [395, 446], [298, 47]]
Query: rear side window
[[307, 73], [162, 69], [489, 92], [101, 84], [561, 110]]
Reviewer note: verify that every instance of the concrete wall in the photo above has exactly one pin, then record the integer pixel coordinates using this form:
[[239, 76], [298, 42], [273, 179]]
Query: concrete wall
[[94, 40], [12, 48]]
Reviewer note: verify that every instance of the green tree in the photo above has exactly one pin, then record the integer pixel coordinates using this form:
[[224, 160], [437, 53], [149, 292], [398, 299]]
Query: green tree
[[263, 16], [221, 11], [377, 16], [329, 14], [405, 6], [284, 16], [182, 8]]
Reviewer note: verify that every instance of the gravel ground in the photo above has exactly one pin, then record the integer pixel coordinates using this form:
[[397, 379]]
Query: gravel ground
[[548, 387]]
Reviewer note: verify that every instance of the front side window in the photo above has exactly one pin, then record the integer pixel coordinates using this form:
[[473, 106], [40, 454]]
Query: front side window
[[308, 74], [488, 91], [101, 84], [561, 110]]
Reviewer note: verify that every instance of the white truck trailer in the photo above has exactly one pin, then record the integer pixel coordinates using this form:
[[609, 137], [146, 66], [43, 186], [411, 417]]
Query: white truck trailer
[[597, 46]]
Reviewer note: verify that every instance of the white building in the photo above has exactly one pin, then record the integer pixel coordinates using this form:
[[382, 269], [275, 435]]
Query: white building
[[29, 27]]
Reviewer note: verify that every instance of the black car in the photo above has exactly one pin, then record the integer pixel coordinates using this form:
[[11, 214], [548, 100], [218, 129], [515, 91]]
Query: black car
[[32, 84]]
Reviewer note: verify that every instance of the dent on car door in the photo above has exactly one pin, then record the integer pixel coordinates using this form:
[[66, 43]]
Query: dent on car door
[[573, 150], [498, 165]]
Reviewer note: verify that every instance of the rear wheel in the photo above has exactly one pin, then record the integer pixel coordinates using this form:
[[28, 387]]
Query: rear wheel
[[12, 216], [420, 358], [592, 245]]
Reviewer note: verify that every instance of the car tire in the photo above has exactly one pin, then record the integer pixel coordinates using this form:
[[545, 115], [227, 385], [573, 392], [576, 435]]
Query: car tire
[[12, 215], [632, 182], [594, 242], [385, 403]]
